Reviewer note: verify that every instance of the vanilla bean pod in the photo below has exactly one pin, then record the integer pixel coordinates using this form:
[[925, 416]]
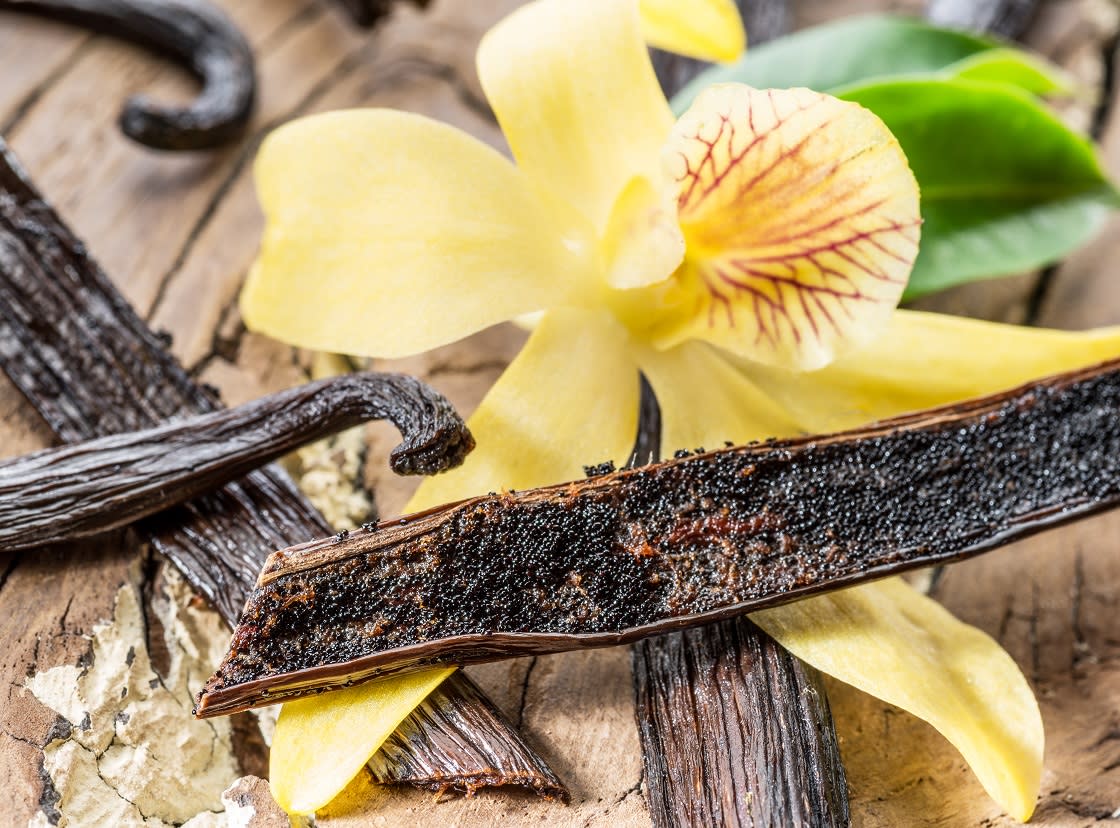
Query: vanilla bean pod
[[90, 367], [641, 552], [734, 708], [399, 760], [86, 488], [735, 730], [194, 33]]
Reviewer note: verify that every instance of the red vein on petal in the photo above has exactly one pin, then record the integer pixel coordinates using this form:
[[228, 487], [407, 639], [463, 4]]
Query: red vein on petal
[[822, 228], [764, 246], [865, 235], [685, 201]]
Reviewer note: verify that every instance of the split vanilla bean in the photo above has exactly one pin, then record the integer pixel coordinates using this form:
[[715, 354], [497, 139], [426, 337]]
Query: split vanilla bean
[[90, 366], [641, 552], [110, 482], [194, 33]]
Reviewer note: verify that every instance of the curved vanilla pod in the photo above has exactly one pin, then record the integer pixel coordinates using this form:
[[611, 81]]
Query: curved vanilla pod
[[85, 488], [645, 551], [193, 33]]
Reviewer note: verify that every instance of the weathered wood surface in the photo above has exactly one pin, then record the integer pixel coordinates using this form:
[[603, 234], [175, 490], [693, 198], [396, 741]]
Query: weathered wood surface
[[179, 232]]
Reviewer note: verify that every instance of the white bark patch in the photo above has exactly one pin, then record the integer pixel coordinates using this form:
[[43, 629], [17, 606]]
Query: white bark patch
[[136, 756], [329, 473]]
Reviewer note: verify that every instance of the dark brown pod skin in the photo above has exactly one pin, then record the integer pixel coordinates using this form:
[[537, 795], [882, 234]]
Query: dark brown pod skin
[[646, 551], [86, 488], [727, 704], [193, 33], [90, 366], [458, 706]]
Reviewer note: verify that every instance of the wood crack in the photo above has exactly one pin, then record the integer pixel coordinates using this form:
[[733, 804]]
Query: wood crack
[[301, 18], [9, 568], [36, 93], [223, 347], [1081, 650], [525, 690]]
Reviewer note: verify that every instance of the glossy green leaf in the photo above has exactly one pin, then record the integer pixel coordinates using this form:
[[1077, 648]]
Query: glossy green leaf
[[855, 50], [1005, 185], [1014, 68], [843, 53]]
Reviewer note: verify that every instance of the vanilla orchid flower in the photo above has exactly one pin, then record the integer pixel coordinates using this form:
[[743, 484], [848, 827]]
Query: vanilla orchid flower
[[747, 258]]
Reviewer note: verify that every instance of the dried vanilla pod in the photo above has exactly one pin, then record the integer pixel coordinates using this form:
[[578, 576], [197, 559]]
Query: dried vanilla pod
[[194, 33], [735, 730], [624, 556], [90, 487]]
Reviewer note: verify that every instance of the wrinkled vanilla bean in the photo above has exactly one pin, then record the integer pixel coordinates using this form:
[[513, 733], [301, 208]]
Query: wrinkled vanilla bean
[[90, 366], [735, 730], [727, 704], [623, 556], [86, 488], [194, 33], [460, 707]]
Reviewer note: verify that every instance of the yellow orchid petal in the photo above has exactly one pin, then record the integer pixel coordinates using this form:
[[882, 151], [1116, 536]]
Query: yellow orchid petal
[[569, 399], [705, 29], [322, 742], [801, 219], [705, 401], [893, 642], [388, 234], [575, 94], [925, 360]]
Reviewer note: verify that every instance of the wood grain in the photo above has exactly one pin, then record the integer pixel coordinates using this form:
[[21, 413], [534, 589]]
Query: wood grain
[[180, 232]]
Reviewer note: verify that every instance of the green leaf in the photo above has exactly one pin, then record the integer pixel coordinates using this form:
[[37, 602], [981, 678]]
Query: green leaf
[[843, 53], [854, 50], [1013, 67], [1005, 185]]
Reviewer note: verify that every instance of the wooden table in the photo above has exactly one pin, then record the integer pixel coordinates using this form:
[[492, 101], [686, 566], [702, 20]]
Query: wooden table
[[177, 233]]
